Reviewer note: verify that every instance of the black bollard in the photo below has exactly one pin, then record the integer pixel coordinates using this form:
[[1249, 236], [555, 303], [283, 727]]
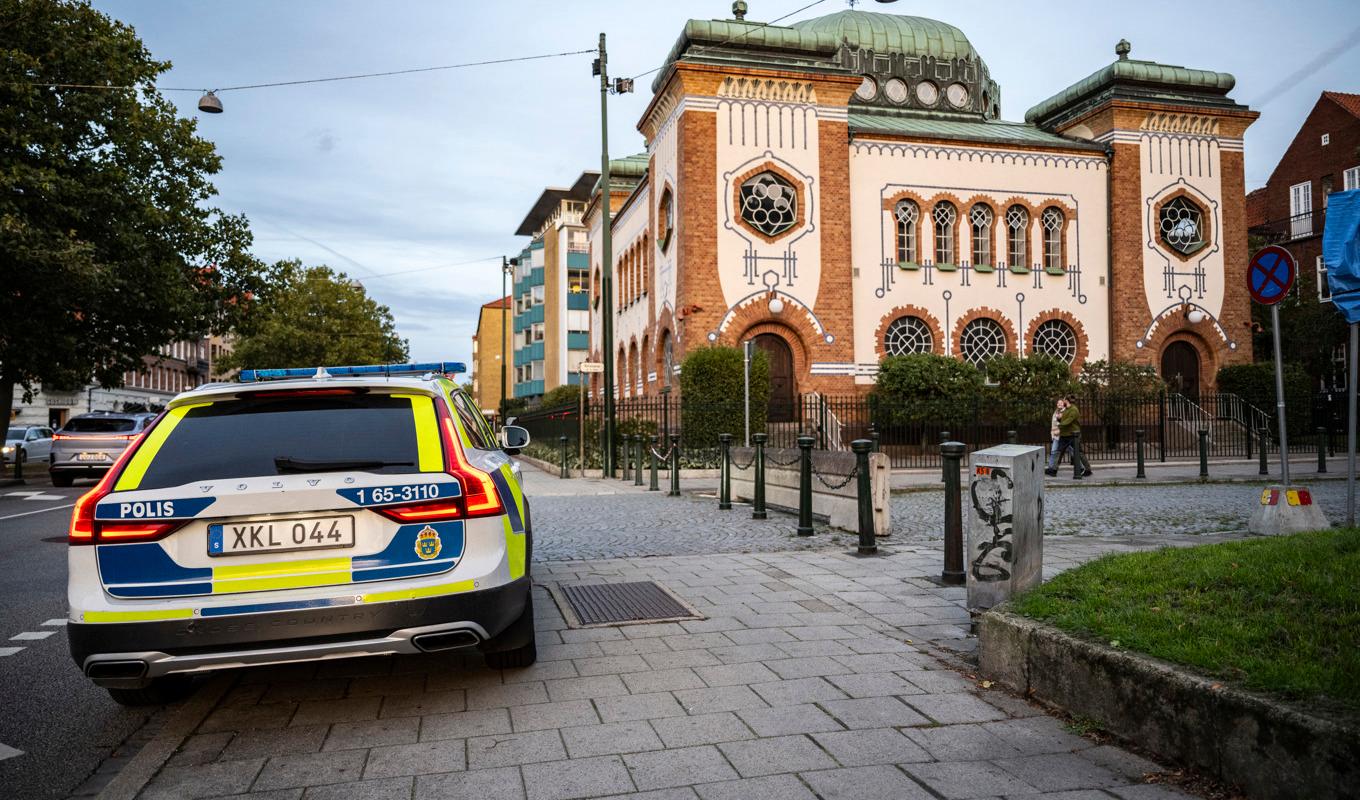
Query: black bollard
[[1139, 435], [20, 456], [867, 544], [563, 441], [758, 492], [1012, 437], [1261, 438], [952, 454], [627, 454], [1203, 455], [641, 442], [1322, 450], [725, 472], [873, 437], [675, 466], [944, 469], [805, 444], [654, 486]]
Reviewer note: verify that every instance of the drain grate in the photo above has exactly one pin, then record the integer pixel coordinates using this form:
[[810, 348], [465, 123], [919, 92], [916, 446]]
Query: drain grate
[[620, 604]]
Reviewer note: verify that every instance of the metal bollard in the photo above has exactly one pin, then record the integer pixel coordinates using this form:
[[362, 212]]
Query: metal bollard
[[1265, 464], [867, 544], [952, 574], [20, 456], [627, 454], [1012, 437], [758, 493], [1203, 454], [563, 441], [725, 472], [874, 437], [637, 460], [1139, 435], [944, 469], [675, 466], [805, 444], [1322, 450], [654, 486]]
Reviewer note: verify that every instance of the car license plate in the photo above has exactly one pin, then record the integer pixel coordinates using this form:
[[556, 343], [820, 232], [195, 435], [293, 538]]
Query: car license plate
[[272, 536], [92, 456]]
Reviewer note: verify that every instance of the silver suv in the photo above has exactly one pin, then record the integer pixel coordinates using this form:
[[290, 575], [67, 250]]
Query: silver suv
[[88, 445]]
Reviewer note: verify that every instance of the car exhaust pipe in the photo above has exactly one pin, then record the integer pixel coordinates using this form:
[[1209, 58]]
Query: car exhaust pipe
[[106, 673], [445, 640]]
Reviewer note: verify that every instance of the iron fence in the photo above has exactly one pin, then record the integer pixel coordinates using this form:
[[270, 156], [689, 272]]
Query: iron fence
[[1236, 427]]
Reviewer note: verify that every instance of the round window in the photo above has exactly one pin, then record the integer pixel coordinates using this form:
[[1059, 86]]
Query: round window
[[1055, 338], [907, 335], [1181, 222], [769, 204], [981, 340]]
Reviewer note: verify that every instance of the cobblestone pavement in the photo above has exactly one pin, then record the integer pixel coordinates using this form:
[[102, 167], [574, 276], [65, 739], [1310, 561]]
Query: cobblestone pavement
[[806, 680], [1190, 508]]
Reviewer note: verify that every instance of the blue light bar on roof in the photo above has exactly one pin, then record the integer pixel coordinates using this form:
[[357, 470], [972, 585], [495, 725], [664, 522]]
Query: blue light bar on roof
[[385, 370]]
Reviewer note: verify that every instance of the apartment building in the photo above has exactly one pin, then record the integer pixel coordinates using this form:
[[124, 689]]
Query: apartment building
[[487, 349]]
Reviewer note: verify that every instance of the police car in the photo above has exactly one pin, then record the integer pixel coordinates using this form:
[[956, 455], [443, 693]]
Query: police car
[[298, 515]]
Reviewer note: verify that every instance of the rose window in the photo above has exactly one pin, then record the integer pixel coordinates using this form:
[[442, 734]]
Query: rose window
[[1182, 226], [769, 204], [981, 340], [906, 335], [1056, 338]]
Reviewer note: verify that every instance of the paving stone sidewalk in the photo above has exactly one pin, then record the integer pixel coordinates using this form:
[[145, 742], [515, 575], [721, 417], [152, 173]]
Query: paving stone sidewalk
[[812, 676]]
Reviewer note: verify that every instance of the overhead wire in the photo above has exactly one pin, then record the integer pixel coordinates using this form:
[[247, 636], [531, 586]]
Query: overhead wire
[[730, 39]]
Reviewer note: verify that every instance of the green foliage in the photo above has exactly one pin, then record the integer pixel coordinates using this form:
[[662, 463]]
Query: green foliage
[[1277, 614], [926, 388], [711, 391], [1256, 383], [110, 246], [566, 394], [316, 316], [1309, 331], [1025, 389], [510, 406], [1122, 379]]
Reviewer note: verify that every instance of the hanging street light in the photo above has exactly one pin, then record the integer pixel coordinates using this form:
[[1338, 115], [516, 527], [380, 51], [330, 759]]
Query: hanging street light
[[209, 103]]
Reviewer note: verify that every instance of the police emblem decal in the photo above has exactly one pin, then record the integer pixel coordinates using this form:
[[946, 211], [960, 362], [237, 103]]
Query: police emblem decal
[[428, 544]]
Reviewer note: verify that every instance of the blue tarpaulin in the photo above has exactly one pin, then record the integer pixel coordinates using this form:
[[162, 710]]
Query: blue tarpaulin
[[1341, 252]]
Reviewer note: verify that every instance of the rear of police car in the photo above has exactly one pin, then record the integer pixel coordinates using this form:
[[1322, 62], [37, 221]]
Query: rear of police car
[[352, 512]]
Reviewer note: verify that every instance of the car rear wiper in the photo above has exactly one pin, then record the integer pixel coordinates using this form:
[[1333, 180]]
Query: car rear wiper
[[286, 464]]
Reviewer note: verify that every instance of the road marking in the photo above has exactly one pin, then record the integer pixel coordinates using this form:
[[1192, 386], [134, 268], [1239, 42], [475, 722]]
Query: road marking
[[30, 636], [21, 494], [35, 495], [9, 752], [39, 511], [9, 651], [56, 622]]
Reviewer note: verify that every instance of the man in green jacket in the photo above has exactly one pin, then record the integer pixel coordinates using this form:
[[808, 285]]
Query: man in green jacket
[[1069, 437]]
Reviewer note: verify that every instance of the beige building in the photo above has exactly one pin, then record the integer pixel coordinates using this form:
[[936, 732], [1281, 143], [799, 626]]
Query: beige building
[[487, 349]]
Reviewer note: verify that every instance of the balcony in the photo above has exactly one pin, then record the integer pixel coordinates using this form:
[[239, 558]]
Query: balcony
[[1292, 229]]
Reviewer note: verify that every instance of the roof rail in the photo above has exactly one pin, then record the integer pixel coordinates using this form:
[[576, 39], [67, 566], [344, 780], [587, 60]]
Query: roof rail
[[373, 370]]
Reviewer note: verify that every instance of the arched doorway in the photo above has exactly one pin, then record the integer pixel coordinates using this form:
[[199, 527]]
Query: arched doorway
[[781, 376], [1180, 368]]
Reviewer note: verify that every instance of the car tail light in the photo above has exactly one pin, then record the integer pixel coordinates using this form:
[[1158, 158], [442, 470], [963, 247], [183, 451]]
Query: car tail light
[[480, 497], [135, 531], [83, 528], [432, 511]]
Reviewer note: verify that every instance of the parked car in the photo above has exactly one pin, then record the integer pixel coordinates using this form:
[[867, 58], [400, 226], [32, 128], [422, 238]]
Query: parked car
[[89, 444], [33, 442], [336, 515]]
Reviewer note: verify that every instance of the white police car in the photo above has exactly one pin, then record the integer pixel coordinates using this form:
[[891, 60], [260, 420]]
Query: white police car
[[297, 515]]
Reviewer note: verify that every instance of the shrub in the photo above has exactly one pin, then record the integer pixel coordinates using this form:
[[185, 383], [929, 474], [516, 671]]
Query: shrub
[[711, 391], [1255, 383], [566, 394], [1122, 379], [1024, 390], [926, 388]]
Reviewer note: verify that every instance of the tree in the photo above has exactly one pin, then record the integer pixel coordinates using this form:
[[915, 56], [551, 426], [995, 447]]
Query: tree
[[1122, 380], [926, 388], [109, 248], [566, 394], [1023, 390], [315, 316], [1310, 330], [712, 389]]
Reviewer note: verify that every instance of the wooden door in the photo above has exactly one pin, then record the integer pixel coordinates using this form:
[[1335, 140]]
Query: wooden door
[[1180, 368], [781, 376]]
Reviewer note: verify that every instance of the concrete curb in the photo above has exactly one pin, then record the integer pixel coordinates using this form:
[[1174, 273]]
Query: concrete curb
[[134, 777], [1265, 746]]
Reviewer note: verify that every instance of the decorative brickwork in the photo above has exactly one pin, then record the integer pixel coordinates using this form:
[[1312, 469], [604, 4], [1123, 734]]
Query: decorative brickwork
[[936, 332], [1083, 346], [1129, 315], [699, 299], [1236, 314], [979, 313]]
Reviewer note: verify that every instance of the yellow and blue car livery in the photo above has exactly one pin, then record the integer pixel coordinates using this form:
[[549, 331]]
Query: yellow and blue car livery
[[357, 555]]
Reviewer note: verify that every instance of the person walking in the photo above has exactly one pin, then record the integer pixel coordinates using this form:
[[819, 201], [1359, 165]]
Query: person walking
[[1069, 438], [1053, 433]]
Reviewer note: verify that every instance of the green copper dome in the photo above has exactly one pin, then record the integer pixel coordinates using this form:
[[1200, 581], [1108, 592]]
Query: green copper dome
[[892, 33]]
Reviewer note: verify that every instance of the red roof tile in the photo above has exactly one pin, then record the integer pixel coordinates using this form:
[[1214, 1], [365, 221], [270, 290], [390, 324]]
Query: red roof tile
[[1350, 102], [1256, 207], [502, 303]]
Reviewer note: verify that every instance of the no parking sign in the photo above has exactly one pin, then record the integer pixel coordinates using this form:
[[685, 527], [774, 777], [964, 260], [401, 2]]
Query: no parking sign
[[1271, 275]]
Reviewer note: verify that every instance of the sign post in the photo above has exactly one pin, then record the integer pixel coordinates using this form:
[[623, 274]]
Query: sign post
[[585, 368], [747, 349], [1283, 508]]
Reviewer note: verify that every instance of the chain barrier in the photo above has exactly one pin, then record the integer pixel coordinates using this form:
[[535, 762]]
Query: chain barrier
[[836, 487], [748, 464], [769, 459], [663, 458]]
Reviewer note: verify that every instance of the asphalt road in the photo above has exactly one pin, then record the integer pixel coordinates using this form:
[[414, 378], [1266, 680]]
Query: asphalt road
[[63, 725]]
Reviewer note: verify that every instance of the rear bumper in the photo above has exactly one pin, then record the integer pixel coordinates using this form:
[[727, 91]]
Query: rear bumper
[[127, 654]]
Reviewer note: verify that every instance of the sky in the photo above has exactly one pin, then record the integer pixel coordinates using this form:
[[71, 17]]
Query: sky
[[421, 174]]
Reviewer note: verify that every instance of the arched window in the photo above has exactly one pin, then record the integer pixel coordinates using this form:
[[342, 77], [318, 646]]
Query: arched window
[[907, 215], [946, 228], [1055, 338], [907, 335], [769, 204], [667, 358], [1054, 223], [1182, 225], [981, 219], [1017, 236], [981, 340]]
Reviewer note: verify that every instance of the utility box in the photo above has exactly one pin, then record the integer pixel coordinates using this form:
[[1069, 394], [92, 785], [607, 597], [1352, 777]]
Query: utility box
[[1005, 512]]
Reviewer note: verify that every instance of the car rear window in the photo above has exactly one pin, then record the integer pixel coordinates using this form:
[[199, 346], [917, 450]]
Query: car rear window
[[242, 438], [99, 425]]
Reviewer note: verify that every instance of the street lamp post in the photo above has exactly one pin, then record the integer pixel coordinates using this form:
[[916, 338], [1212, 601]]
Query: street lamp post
[[507, 264], [607, 257]]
